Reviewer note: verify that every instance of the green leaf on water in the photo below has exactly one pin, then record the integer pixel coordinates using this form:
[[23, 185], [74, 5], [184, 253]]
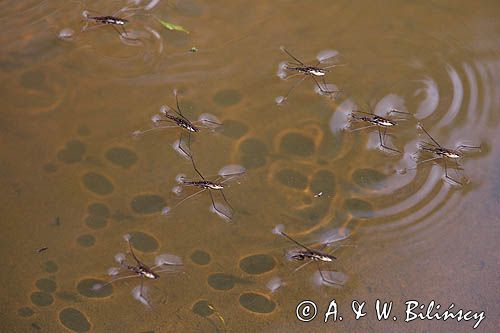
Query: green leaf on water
[[171, 26]]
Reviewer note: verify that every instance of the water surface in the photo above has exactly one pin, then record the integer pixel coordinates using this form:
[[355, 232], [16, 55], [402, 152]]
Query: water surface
[[75, 180]]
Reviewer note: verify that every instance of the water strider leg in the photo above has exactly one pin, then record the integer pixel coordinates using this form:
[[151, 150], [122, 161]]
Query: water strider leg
[[327, 280], [190, 155], [293, 87], [456, 169], [93, 27], [215, 207], [321, 89], [397, 111], [132, 252], [424, 161], [139, 132], [446, 173], [142, 287], [461, 147], [292, 76], [189, 197], [286, 51], [227, 202], [166, 269], [187, 152], [382, 137], [119, 32], [427, 133], [361, 128], [206, 121], [302, 266], [114, 280], [332, 66]]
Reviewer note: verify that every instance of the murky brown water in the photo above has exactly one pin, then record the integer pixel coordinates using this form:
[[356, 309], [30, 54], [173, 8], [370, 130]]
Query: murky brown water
[[75, 181]]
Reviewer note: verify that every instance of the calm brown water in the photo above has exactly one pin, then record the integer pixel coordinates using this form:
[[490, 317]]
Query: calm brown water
[[75, 180]]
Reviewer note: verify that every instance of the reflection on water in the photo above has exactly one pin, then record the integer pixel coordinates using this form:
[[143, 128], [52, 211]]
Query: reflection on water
[[75, 179]]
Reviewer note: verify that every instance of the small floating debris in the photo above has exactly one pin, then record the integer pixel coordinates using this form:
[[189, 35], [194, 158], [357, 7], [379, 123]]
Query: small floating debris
[[171, 26], [42, 249]]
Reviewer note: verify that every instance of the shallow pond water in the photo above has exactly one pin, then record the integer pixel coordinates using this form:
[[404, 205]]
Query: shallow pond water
[[75, 179]]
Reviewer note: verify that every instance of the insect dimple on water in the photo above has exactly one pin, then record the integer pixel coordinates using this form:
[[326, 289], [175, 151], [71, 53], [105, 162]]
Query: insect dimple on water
[[440, 152], [313, 71]]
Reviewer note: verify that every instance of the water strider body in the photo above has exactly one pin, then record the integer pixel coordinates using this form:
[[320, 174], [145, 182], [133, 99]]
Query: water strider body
[[205, 184], [141, 269], [108, 20], [308, 70], [375, 120], [180, 121], [308, 254], [442, 152]]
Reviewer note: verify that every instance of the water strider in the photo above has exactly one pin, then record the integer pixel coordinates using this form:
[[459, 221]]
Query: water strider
[[377, 121], [218, 184], [308, 254], [176, 119], [301, 69], [440, 152], [140, 269], [102, 20]]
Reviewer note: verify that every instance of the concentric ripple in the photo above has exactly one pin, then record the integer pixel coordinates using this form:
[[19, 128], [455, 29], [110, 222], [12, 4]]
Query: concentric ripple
[[387, 193], [414, 197]]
